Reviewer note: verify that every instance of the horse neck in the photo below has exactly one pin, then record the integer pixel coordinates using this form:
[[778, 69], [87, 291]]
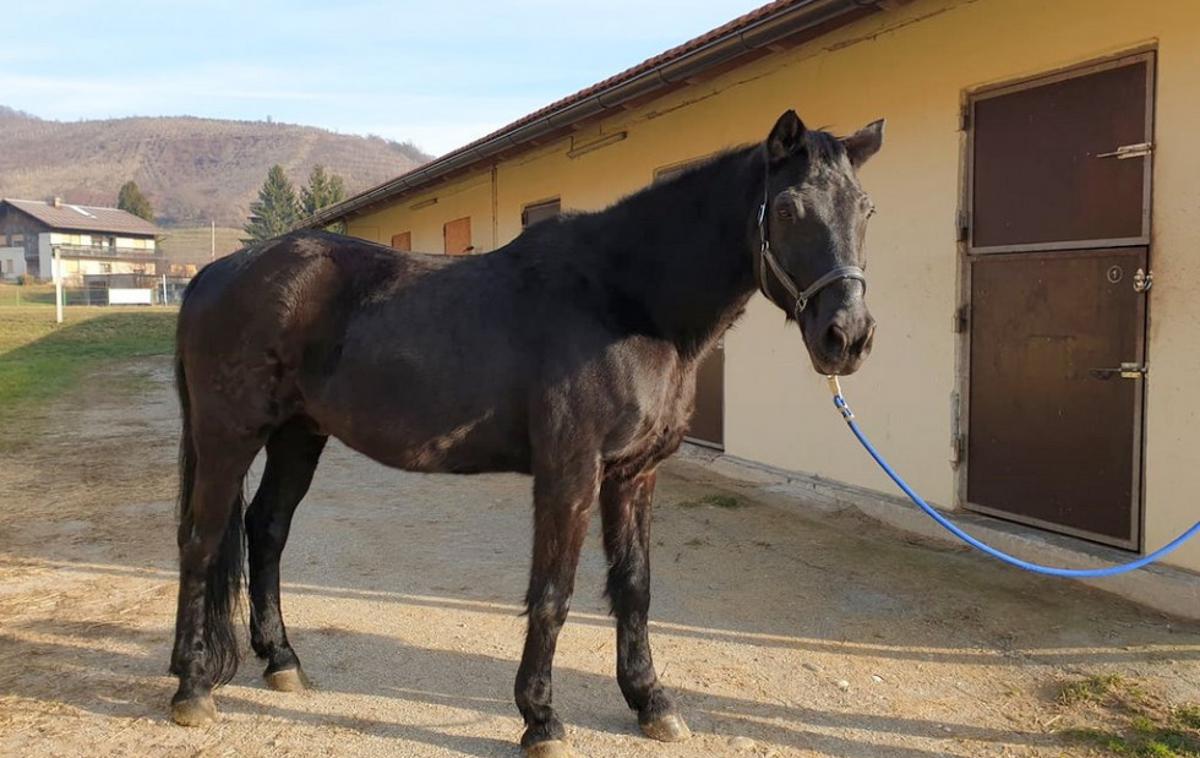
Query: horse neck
[[680, 254]]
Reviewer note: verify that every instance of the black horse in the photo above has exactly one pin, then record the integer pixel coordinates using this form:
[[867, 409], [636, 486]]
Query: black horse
[[569, 354]]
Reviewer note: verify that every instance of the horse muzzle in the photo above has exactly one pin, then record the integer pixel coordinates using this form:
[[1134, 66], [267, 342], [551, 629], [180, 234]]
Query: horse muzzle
[[839, 345]]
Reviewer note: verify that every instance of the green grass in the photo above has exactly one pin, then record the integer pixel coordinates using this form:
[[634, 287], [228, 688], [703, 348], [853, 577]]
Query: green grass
[[40, 360], [1141, 737], [1139, 723], [1189, 716], [1093, 689]]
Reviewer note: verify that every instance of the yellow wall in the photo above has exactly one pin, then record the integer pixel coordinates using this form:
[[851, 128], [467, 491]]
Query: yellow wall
[[471, 196], [912, 66]]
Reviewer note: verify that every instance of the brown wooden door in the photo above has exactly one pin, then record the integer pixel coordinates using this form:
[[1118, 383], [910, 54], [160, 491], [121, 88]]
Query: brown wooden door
[[456, 236], [402, 241], [1039, 178], [707, 425], [1053, 426], [1059, 227]]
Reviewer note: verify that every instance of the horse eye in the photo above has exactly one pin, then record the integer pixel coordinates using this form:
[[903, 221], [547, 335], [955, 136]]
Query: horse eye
[[784, 211]]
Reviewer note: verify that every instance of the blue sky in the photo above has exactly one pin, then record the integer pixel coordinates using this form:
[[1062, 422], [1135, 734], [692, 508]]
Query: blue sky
[[438, 73]]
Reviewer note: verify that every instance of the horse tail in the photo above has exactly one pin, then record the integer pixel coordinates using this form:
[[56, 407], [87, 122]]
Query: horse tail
[[223, 581]]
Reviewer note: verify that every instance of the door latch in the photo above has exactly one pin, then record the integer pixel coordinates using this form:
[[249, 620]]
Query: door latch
[[1124, 152], [1143, 280], [1126, 371]]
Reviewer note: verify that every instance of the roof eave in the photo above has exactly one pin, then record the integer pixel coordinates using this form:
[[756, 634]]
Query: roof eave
[[788, 21]]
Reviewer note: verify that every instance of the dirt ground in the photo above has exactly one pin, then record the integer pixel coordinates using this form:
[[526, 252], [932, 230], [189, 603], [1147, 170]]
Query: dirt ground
[[783, 631]]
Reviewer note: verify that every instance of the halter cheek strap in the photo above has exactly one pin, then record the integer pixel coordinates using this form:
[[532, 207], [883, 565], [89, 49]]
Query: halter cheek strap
[[799, 297]]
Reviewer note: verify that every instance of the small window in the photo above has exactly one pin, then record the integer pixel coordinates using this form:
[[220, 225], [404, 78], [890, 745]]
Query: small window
[[16, 240], [535, 212], [456, 236], [402, 241]]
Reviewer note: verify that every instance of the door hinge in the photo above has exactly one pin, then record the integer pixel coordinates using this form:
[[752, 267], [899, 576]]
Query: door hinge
[[958, 449], [962, 318], [957, 441], [962, 225], [964, 117]]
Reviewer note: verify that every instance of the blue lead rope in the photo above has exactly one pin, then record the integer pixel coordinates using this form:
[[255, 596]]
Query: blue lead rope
[[1123, 568]]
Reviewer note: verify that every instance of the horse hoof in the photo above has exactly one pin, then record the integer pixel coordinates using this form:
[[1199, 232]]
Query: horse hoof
[[287, 680], [196, 711], [550, 749], [668, 728]]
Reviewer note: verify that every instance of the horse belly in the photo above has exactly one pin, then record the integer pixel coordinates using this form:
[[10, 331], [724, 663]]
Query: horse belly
[[405, 421], [465, 449]]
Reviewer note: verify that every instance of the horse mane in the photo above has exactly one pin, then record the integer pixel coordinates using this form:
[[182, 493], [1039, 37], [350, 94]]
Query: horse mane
[[664, 259], [652, 201], [820, 145]]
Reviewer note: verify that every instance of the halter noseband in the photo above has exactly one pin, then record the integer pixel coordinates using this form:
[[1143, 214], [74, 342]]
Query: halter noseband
[[800, 297]]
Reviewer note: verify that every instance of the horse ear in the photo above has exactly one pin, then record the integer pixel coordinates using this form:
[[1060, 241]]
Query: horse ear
[[864, 143], [787, 137]]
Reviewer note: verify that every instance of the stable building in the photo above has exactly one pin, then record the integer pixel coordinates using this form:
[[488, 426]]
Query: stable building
[[1032, 266]]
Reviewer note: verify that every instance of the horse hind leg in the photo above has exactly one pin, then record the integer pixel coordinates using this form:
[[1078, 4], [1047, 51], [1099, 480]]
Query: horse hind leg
[[292, 455], [205, 653]]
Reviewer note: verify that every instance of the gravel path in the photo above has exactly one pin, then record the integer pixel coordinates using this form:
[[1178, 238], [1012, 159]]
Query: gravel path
[[783, 631]]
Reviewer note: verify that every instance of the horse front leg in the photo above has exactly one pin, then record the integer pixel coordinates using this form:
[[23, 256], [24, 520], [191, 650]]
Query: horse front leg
[[625, 503], [562, 502]]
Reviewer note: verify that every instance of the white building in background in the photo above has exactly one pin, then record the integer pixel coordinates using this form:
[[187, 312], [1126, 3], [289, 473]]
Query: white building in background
[[88, 240]]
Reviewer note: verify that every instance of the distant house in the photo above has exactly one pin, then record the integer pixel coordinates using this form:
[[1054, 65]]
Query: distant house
[[88, 240]]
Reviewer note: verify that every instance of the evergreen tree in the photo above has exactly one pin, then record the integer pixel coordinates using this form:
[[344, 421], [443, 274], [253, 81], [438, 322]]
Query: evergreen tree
[[323, 190], [276, 211], [131, 199]]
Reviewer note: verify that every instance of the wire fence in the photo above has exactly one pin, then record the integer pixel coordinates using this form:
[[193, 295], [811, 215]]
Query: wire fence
[[101, 290]]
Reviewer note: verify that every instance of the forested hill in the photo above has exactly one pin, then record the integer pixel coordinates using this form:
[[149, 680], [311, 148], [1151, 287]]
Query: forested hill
[[193, 170]]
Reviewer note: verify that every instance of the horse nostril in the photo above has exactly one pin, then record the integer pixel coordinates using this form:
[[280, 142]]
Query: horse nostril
[[836, 341], [863, 345]]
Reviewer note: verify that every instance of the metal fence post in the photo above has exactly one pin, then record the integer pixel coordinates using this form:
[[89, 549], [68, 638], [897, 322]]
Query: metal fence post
[[56, 269]]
